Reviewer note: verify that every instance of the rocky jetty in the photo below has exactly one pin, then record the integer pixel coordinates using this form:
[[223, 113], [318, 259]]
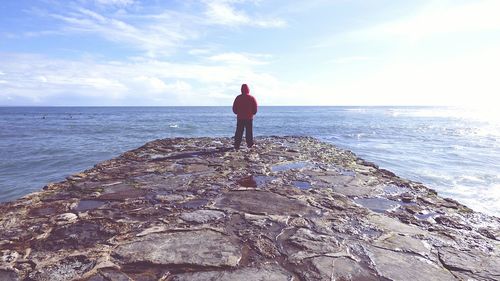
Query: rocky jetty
[[291, 208]]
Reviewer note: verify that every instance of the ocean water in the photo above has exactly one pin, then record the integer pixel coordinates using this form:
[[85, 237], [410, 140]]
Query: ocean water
[[453, 150]]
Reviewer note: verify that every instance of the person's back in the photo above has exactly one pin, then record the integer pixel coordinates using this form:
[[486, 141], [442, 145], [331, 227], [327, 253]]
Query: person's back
[[245, 107]]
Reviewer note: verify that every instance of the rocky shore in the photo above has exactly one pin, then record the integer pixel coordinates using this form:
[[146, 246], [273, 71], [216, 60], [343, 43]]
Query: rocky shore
[[291, 208]]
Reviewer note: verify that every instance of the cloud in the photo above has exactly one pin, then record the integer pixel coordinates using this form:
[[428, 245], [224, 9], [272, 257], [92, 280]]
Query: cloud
[[352, 59], [161, 32], [224, 13], [438, 18], [41, 80], [468, 80], [159, 35], [115, 2], [239, 58]]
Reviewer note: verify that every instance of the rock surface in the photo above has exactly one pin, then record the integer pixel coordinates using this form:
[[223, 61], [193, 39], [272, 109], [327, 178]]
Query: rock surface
[[291, 208]]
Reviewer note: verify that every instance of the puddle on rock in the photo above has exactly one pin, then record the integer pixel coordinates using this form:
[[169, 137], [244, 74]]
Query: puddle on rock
[[254, 181], [378, 205], [289, 166], [302, 184], [87, 205]]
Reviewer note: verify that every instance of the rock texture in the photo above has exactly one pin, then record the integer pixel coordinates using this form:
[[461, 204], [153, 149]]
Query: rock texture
[[291, 208]]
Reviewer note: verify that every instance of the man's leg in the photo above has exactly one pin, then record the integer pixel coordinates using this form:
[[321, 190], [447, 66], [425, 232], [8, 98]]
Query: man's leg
[[249, 132], [238, 135]]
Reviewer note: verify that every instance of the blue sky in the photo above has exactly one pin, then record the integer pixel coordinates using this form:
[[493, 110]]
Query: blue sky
[[316, 52]]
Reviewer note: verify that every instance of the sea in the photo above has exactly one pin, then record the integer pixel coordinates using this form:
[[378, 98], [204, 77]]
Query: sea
[[455, 151]]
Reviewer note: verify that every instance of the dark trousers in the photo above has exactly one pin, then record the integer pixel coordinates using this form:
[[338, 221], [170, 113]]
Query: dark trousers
[[240, 126]]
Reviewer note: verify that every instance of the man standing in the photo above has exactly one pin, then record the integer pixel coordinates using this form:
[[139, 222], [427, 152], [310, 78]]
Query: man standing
[[245, 107]]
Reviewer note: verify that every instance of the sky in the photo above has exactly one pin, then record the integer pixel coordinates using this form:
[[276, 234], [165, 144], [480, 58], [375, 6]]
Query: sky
[[188, 52]]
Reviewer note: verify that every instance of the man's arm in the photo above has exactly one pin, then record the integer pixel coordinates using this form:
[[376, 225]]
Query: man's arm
[[254, 106], [235, 106]]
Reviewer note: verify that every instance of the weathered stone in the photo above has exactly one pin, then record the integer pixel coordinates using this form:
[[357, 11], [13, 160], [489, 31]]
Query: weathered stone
[[203, 248], [263, 202], [198, 168], [112, 274], [305, 243], [202, 216], [153, 229], [328, 268], [9, 275], [79, 235], [399, 266], [393, 225], [266, 248], [121, 192], [8, 256], [190, 209], [67, 269], [65, 218], [471, 262], [168, 197], [403, 243], [264, 273]]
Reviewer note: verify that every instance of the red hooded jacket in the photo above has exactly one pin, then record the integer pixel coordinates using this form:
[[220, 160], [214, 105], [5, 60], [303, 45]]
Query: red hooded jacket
[[245, 105]]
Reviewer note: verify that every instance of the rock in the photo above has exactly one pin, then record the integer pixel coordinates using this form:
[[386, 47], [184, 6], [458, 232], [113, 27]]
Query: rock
[[403, 243], [471, 263], [65, 218], [153, 229], [168, 197], [262, 202], [112, 274], [266, 248], [9, 256], [399, 266], [264, 273], [305, 243], [79, 235], [202, 216], [328, 268], [203, 248], [66, 269], [292, 208], [392, 225], [9, 275]]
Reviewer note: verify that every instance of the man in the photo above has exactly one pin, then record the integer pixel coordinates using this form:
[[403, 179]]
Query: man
[[245, 107]]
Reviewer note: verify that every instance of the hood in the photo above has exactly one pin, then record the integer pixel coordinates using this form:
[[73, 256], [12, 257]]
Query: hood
[[244, 89]]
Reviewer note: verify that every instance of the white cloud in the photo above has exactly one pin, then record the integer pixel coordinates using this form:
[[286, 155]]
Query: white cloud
[[150, 81], [462, 81], [457, 81], [115, 2], [153, 84], [156, 34], [224, 13], [438, 17], [159, 34], [239, 58], [200, 51], [352, 59], [2, 73]]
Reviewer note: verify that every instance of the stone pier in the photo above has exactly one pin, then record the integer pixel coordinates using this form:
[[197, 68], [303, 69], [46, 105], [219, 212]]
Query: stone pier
[[291, 208]]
